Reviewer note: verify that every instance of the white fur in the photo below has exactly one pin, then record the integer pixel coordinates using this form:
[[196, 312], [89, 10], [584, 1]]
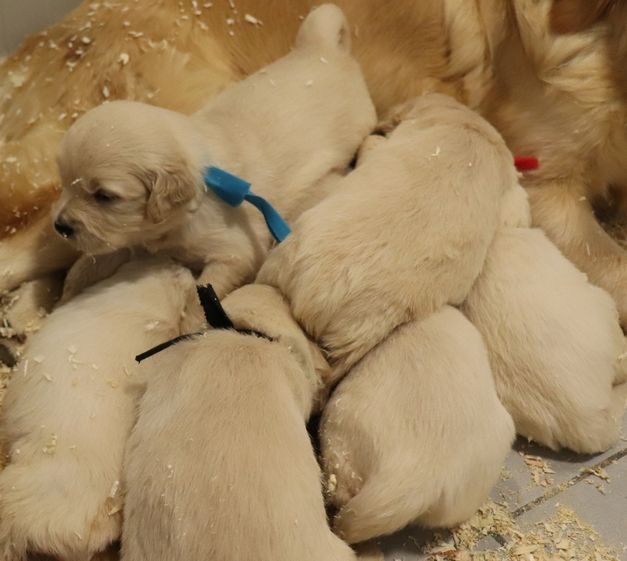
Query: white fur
[[284, 129], [402, 235], [554, 342], [415, 432], [70, 406], [220, 465]]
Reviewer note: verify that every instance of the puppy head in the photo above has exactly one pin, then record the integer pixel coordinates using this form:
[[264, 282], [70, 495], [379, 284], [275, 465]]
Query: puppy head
[[126, 177]]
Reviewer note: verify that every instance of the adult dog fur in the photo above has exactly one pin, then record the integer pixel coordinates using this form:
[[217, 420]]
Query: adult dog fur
[[69, 408], [549, 75], [240, 482], [133, 173]]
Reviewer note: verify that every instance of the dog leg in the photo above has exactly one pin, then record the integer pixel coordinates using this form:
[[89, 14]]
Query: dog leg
[[568, 220], [23, 313], [33, 253]]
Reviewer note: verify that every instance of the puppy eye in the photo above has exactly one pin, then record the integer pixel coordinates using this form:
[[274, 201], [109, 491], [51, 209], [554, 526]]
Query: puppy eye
[[104, 197]]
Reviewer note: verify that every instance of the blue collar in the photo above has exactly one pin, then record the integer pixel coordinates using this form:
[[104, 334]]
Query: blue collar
[[234, 191]]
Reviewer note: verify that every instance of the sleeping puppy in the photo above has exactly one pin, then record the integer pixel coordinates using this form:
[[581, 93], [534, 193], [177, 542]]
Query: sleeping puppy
[[240, 482], [555, 342], [70, 406], [423, 206], [415, 432], [133, 173]]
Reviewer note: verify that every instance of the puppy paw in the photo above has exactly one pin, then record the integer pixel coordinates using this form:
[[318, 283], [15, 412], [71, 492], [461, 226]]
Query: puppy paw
[[57, 509]]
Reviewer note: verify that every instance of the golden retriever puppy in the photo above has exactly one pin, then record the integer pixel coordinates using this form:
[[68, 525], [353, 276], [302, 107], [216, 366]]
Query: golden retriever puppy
[[402, 235], [415, 432], [548, 74], [70, 406], [219, 464], [133, 174], [554, 340]]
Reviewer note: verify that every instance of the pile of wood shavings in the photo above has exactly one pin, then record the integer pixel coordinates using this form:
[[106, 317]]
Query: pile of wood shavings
[[563, 537]]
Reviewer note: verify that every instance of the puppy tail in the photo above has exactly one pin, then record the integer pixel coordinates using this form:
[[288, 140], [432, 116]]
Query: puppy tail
[[325, 27], [380, 509]]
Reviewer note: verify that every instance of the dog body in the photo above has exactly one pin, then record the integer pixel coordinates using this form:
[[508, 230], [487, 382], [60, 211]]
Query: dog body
[[402, 235], [548, 74], [241, 481], [70, 406], [555, 343], [133, 173], [415, 432]]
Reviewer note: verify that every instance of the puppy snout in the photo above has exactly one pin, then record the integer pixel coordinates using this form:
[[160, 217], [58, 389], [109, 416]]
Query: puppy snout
[[63, 229]]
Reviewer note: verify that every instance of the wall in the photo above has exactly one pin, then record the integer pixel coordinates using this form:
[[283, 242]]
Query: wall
[[18, 18]]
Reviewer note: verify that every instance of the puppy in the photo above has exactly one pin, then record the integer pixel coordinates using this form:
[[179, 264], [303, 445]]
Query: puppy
[[70, 406], [415, 432], [133, 173], [555, 343], [401, 236], [219, 464]]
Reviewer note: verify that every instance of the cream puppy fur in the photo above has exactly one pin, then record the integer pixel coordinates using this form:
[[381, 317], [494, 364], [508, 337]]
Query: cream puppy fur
[[220, 465], [402, 235], [415, 432], [69, 409], [133, 173], [554, 340]]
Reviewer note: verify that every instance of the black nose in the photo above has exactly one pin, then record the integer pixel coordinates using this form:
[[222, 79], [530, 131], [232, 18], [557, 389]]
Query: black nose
[[64, 229]]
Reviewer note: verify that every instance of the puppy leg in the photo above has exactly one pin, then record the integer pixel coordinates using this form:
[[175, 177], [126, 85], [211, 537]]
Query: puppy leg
[[569, 222], [33, 252], [415, 432], [23, 313], [90, 269]]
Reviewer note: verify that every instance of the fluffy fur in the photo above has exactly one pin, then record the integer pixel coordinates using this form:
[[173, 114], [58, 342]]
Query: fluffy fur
[[402, 235], [549, 74], [415, 432], [70, 406], [555, 343], [239, 482], [133, 173]]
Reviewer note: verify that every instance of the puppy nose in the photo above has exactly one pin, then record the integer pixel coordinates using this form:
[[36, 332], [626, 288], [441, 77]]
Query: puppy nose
[[63, 229]]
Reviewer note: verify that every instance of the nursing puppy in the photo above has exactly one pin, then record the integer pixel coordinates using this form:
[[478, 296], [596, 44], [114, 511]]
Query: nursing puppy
[[70, 406], [415, 432], [133, 173], [555, 343], [401, 236], [240, 482]]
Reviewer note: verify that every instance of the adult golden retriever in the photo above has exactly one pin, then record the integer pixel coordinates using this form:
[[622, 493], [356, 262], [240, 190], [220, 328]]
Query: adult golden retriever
[[549, 74]]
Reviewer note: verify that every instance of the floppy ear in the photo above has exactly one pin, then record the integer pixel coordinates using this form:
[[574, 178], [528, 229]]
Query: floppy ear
[[169, 188], [325, 27], [571, 16]]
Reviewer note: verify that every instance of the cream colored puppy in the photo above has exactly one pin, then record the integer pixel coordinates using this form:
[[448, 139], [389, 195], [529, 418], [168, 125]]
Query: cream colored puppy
[[70, 407], [555, 343], [401, 236], [133, 173], [220, 465], [415, 432]]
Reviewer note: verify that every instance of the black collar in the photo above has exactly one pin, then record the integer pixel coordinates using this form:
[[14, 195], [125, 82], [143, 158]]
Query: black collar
[[214, 314]]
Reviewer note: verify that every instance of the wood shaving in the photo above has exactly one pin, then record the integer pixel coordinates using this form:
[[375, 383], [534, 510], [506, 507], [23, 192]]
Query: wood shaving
[[540, 470]]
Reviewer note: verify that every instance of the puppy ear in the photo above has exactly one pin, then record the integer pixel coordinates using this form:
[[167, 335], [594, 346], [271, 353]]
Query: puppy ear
[[571, 16], [325, 27], [170, 188]]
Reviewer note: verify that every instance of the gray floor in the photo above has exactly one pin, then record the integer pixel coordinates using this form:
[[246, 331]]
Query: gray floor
[[547, 506]]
